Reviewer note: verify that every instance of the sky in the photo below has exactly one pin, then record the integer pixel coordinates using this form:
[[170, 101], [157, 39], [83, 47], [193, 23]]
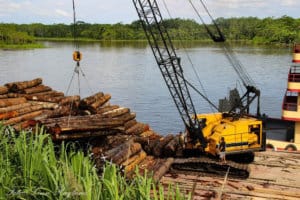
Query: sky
[[123, 11]]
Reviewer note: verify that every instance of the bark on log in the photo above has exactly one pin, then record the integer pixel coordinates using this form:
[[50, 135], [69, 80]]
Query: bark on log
[[137, 129], [3, 90], [13, 95], [14, 107], [99, 102], [4, 96], [43, 98], [15, 86], [129, 124], [116, 112], [110, 153], [76, 125], [69, 100], [148, 133], [27, 116], [123, 155], [151, 145], [147, 164], [164, 168], [51, 93], [20, 111], [107, 108], [46, 105], [137, 159], [81, 135], [85, 102], [158, 149], [171, 147], [127, 117], [36, 89], [11, 101]]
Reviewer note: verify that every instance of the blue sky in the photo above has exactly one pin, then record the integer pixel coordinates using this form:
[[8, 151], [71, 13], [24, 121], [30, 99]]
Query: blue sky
[[114, 11]]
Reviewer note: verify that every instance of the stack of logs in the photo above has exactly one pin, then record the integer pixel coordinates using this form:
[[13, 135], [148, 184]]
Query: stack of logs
[[131, 157], [28, 103], [25, 103]]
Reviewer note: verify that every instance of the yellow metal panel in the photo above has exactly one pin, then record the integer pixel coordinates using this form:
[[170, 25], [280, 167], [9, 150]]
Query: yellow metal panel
[[291, 115], [293, 86], [296, 56]]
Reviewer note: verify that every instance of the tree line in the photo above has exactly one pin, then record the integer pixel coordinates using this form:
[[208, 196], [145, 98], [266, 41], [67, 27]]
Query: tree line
[[269, 30]]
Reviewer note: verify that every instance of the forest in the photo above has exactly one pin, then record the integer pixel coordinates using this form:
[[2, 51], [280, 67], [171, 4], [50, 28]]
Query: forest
[[283, 30]]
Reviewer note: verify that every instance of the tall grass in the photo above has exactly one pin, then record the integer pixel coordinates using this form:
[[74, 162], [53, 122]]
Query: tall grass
[[31, 167]]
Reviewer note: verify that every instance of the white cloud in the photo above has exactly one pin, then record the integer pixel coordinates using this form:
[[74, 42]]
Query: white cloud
[[113, 11], [62, 13], [289, 3]]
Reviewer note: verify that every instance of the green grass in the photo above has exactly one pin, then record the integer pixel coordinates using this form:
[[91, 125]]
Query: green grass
[[21, 46], [32, 167]]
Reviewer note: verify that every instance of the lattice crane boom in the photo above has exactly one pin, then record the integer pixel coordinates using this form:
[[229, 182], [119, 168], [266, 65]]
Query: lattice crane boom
[[169, 65]]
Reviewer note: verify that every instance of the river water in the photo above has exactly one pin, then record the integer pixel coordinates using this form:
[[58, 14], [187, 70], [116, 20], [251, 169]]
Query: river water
[[129, 73]]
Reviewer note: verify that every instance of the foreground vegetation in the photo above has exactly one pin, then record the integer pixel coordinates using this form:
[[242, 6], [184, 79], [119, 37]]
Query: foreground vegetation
[[284, 30], [32, 167]]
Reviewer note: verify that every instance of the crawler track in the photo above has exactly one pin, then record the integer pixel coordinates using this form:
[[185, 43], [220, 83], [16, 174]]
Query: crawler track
[[207, 165]]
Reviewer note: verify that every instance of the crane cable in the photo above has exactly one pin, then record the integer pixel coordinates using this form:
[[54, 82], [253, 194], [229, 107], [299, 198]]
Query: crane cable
[[204, 96], [220, 37], [230, 55], [77, 57]]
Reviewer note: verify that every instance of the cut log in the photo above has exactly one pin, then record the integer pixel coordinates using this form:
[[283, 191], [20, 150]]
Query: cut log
[[107, 108], [27, 116], [158, 149], [70, 100], [99, 102], [16, 86], [4, 96], [36, 89], [14, 95], [3, 90], [11, 101], [84, 103], [81, 135], [127, 117], [46, 105], [45, 98], [110, 153], [14, 107], [21, 111], [116, 112], [148, 133], [51, 93], [164, 168], [123, 155], [64, 110], [129, 124], [134, 161], [147, 164], [137, 129], [74, 124], [171, 147]]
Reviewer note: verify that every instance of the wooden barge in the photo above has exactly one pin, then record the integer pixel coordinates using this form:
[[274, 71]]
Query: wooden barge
[[116, 136]]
